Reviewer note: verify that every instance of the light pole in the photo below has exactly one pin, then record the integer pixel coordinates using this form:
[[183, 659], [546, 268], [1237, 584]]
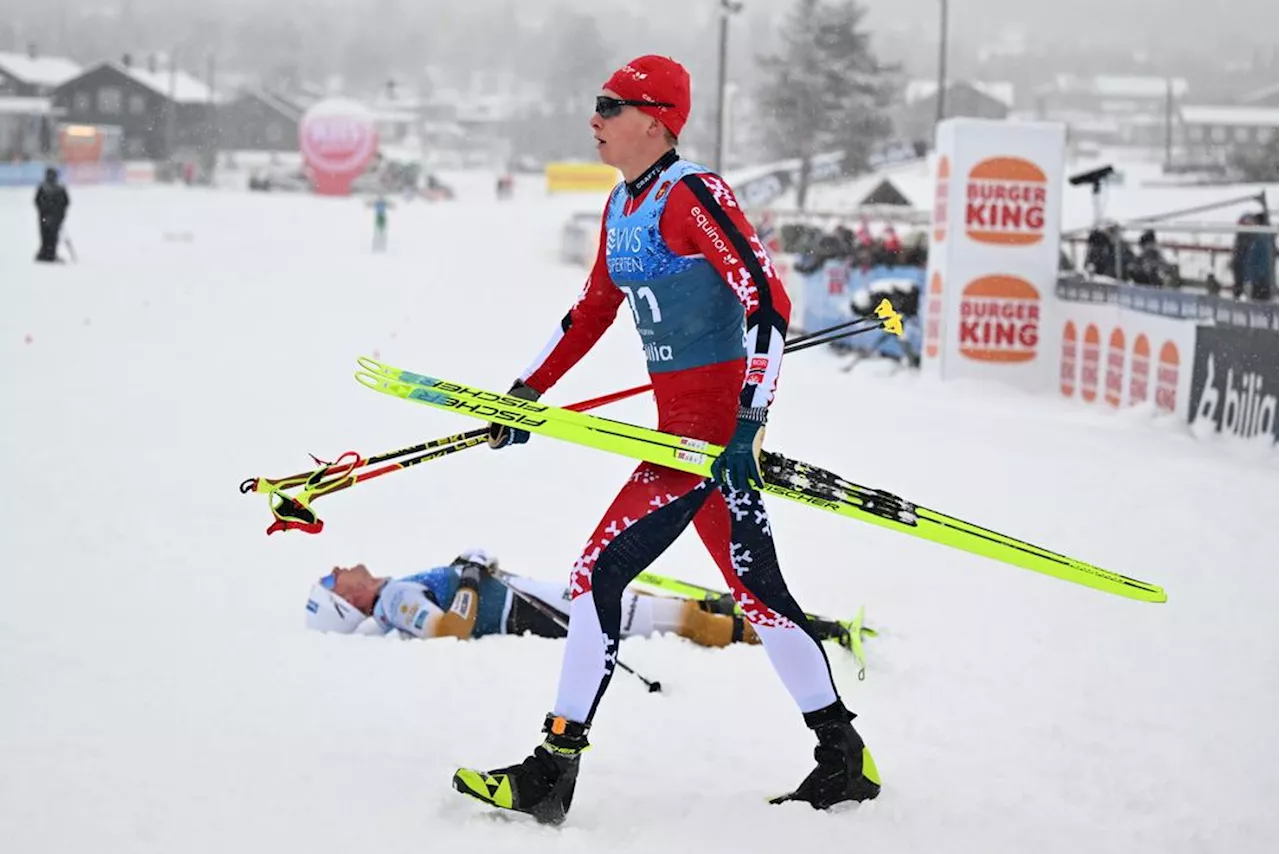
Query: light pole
[[942, 63], [727, 8]]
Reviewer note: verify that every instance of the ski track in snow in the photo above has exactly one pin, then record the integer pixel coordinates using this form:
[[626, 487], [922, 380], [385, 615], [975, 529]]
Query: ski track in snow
[[158, 692]]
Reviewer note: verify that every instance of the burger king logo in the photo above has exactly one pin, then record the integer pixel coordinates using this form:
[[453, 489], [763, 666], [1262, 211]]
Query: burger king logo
[[1067, 370], [1140, 374], [1005, 202], [999, 319], [1167, 378], [1115, 367], [1089, 363], [941, 188], [933, 317]]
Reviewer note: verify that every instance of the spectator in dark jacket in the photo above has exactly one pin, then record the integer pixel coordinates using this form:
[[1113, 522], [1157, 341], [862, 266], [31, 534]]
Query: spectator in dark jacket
[[1260, 263], [52, 202], [1151, 268], [1244, 241], [1100, 257]]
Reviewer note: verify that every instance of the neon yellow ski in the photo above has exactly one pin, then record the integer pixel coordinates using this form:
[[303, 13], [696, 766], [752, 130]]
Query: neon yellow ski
[[786, 478], [855, 628]]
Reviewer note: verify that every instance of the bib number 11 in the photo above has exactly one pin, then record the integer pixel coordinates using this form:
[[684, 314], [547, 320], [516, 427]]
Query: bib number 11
[[646, 294]]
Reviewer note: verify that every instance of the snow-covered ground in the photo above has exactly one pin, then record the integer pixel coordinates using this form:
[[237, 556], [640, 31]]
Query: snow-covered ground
[[158, 692]]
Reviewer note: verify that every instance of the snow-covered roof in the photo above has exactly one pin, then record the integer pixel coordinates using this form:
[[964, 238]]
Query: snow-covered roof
[[10, 106], [1117, 86], [186, 89], [911, 180], [1138, 87], [1264, 97], [391, 116], [1231, 116], [999, 90], [40, 71], [277, 102]]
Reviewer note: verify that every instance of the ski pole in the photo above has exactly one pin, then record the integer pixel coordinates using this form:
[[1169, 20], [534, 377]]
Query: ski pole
[[654, 686], [256, 484], [294, 512], [796, 344], [813, 341], [295, 480]]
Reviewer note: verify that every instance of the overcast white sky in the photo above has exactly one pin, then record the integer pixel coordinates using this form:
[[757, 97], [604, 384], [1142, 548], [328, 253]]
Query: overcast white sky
[[1214, 25]]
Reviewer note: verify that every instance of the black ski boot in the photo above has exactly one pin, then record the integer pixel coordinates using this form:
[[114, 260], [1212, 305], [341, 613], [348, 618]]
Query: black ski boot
[[835, 630], [541, 785], [845, 772]]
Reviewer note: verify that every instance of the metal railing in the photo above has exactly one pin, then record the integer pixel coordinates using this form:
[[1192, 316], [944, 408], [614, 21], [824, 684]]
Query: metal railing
[[1195, 256]]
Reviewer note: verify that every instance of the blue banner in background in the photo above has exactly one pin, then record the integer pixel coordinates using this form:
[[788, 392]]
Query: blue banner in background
[[830, 291], [21, 174], [31, 173], [1170, 303]]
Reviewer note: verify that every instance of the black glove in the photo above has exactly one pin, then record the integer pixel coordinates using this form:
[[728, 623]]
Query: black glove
[[500, 435], [738, 468], [469, 575], [470, 565]]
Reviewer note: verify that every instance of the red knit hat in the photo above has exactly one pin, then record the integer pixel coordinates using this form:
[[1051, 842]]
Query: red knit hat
[[659, 79]]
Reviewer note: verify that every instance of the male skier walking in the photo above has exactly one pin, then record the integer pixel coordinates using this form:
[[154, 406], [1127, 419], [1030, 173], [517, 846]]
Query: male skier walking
[[712, 316]]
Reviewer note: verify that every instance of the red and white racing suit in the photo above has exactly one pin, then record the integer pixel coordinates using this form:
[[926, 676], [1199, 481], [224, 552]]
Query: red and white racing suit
[[713, 316]]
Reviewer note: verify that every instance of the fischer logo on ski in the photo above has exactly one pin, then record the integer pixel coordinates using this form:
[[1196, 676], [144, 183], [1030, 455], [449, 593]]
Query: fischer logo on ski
[[784, 477]]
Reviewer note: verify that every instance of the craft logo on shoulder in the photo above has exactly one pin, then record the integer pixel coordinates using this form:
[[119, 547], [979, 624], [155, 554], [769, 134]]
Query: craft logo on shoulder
[[941, 189], [933, 317], [999, 319], [1140, 373], [1089, 360], [1167, 378], [1067, 369], [1005, 202], [1115, 367]]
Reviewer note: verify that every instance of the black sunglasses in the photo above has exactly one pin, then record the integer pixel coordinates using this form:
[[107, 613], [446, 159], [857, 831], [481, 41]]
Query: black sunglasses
[[608, 107]]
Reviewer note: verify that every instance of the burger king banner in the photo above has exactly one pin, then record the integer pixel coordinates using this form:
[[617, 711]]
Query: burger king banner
[[993, 253], [338, 139], [1119, 357]]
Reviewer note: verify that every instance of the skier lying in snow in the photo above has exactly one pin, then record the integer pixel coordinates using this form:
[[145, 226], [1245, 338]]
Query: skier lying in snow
[[465, 600]]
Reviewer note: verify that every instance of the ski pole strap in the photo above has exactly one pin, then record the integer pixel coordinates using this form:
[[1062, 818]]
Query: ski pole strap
[[292, 515], [293, 512]]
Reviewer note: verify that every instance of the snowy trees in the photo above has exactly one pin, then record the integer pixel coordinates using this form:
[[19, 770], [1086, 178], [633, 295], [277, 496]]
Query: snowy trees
[[825, 90], [1259, 163]]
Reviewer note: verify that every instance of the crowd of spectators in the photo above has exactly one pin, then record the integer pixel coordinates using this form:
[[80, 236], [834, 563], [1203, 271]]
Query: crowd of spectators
[[1252, 262], [815, 246]]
